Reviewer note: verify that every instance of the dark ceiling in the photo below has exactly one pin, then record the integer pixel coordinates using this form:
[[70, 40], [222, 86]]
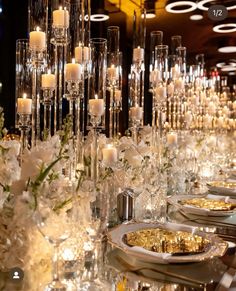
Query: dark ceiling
[[197, 36]]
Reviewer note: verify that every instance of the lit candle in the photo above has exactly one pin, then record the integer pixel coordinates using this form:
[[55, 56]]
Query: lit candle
[[48, 81], [234, 105], [73, 71], [136, 113], [79, 51], [220, 122], [175, 71], [179, 84], [24, 105], [155, 76], [160, 92], [188, 117], [138, 54], [117, 95], [60, 18], [96, 107], [170, 89], [211, 108], [231, 122], [225, 110], [37, 40], [112, 72], [109, 155], [207, 121], [171, 138]]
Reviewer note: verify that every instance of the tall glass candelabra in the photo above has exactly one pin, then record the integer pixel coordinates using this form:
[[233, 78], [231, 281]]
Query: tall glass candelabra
[[97, 92], [59, 38], [114, 59]]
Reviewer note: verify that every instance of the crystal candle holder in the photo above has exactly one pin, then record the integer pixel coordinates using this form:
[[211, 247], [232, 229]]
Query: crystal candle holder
[[60, 35], [73, 95], [24, 121], [48, 102]]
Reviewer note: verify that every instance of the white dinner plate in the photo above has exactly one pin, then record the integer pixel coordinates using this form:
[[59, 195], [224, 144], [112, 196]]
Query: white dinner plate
[[216, 248], [176, 200]]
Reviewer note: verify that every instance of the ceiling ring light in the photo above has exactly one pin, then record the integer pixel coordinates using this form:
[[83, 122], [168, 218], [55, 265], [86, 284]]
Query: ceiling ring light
[[227, 49], [220, 28], [201, 5], [99, 17], [191, 7]]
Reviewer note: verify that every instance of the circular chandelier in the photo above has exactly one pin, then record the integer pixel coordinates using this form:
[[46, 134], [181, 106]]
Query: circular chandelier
[[225, 28], [197, 15], [202, 5], [99, 17], [175, 6], [227, 49]]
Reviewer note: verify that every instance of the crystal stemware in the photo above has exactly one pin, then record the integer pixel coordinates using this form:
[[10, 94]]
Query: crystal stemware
[[55, 225]]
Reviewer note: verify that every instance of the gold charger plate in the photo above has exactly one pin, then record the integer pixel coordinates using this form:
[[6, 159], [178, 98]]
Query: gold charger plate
[[205, 205], [215, 248]]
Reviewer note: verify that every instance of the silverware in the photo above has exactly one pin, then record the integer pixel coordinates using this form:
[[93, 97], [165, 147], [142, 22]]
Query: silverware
[[220, 223], [166, 273]]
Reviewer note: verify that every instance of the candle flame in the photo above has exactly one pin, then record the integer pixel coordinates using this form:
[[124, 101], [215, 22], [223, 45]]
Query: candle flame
[[96, 96], [49, 71], [37, 28], [24, 95], [60, 7], [65, 8], [73, 60]]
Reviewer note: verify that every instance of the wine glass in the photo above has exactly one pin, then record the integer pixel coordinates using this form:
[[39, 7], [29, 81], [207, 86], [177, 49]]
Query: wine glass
[[55, 225]]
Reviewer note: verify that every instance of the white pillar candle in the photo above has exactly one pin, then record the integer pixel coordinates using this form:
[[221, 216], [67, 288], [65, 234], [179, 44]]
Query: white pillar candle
[[170, 89], [117, 95], [203, 97], [195, 100], [24, 105], [175, 71], [231, 122], [79, 51], [234, 105], [207, 121], [155, 76], [37, 40], [109, 155], [136, 113], [48, 81], [73, 71], [160, 92], [138, 54], [225, 110], [112, 72], [220, 122], [211, 108], [188, 117], [179, 84], [96, 107], [60, 18], [171, 138]]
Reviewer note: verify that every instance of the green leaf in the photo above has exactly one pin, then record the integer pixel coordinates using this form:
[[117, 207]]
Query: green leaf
[[44, 173]]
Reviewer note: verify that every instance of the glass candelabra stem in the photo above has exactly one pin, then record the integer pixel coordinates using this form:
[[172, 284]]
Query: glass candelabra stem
[[94, 155], [47, 119], [60, 52], [24, 125], [56, 284], [48, 95]]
